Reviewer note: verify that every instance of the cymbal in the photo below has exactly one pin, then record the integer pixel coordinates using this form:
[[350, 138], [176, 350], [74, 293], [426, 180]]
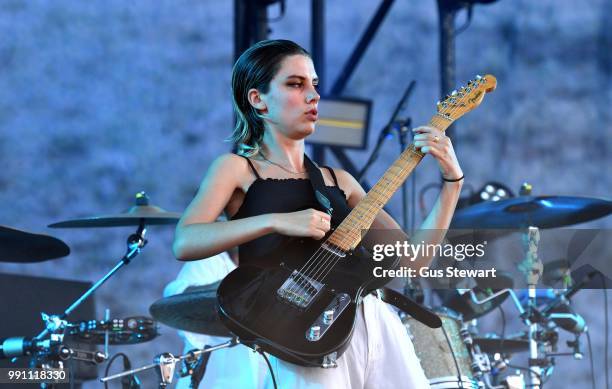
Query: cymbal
[[525, 211], [194, 310], [150, 214], [141, 212], [21, 246], [501, 345]]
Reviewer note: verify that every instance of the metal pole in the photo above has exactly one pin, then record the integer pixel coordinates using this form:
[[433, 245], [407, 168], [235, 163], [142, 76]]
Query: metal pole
[[317, 39]]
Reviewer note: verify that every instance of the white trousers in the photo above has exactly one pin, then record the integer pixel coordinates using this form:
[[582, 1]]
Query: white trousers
[[380, 355]]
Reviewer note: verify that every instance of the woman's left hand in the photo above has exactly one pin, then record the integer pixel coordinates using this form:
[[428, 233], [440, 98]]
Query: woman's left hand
[[430, 140]]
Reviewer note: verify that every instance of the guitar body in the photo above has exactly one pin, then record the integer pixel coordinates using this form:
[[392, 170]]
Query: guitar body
[[251, 307]]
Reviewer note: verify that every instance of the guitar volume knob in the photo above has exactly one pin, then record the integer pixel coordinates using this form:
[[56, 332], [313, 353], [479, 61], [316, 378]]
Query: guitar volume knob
[[328, 316], [315, 333]]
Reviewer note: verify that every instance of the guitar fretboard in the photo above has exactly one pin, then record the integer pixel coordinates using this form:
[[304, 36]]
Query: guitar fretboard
[[348, 234]]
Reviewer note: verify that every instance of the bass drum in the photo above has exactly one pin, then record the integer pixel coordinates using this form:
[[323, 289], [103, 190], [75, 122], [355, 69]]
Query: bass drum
[[436, 352]]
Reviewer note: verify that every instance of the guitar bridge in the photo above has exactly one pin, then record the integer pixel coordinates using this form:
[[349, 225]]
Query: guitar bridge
[[299, 290]]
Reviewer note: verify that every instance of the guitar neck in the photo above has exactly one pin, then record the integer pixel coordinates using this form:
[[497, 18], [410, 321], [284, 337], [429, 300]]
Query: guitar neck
[[348, 234]]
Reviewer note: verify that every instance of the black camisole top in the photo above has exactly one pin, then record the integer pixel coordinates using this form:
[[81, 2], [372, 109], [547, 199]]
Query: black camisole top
[[271, 195]]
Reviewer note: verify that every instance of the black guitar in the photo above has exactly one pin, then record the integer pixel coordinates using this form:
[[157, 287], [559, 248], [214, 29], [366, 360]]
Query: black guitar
[[303, 310]]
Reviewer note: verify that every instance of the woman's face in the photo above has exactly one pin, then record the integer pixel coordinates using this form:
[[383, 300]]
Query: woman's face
[[291, 102]]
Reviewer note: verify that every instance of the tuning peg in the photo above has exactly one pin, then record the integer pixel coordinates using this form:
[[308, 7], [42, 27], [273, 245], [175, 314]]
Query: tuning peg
[[478, 77], [454, 93]]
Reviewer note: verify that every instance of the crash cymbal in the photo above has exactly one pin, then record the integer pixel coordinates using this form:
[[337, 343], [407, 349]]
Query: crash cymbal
[[194, 310], [142, 211], [20, 246], [492, 345], [525, 211]]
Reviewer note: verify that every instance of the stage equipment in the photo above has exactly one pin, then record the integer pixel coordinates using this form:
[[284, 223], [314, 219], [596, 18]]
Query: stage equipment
[[523, 211], [130, 330], [402, 128], [25, 297], [343, 122], [165, 364]]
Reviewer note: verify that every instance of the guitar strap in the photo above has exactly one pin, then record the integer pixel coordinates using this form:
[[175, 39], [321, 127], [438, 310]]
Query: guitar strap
[[387, 295]]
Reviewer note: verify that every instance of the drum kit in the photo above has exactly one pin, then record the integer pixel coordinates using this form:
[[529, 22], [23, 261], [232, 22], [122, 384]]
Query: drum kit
[[456, 355]]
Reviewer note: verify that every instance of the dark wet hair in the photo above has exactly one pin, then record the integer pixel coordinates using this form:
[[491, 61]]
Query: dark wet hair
[[255, 68]]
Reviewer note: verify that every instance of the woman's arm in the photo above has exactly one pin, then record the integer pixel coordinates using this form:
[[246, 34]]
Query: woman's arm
[[198, 234]]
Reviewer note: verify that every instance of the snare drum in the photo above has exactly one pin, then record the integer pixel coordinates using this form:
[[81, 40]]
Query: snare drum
[[434, 352]]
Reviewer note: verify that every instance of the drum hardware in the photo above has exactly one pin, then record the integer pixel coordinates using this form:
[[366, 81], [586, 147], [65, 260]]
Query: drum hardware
[[165, 363], [476, 299], [535, 211], [51, 351], [26, 247]]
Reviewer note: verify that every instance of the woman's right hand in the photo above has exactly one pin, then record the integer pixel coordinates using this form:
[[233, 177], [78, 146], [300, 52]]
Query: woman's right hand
[[309, 222]]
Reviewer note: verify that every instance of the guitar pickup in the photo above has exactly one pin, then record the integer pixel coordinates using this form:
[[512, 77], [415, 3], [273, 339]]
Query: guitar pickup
[[299, 290]]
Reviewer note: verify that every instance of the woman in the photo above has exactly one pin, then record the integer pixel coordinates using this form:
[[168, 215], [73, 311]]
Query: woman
[[265, 191]]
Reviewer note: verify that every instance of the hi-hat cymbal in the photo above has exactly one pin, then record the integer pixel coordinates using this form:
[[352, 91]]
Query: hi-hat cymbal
[[525, 211], [141, 212], [194, 310], [20, 246]]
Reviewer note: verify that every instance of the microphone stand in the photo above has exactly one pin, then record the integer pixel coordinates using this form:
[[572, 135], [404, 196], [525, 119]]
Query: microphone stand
[[386, 130], [402, 130], [165, 363]]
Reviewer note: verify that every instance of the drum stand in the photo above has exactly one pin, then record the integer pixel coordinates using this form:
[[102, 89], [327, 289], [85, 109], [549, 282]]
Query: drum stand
[[532, 267], [166, 363]]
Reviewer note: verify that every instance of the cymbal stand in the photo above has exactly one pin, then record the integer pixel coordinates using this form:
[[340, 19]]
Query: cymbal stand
[[135, 243], [166, 363], [532, 267]]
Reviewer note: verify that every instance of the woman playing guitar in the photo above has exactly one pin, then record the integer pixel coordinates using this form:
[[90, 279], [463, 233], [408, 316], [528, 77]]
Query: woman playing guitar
[[265, 190]]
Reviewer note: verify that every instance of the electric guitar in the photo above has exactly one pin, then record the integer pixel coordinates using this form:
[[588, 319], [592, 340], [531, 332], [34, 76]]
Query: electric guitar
[[303, 310]]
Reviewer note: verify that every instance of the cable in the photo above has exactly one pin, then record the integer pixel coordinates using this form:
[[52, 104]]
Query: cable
[[422, 192], [529, 371], [450, 347], [591, 358], [468, 20], [126, 362], [269, 367]]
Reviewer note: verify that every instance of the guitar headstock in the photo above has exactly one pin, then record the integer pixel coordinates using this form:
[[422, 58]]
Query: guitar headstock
[[468, 97]]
